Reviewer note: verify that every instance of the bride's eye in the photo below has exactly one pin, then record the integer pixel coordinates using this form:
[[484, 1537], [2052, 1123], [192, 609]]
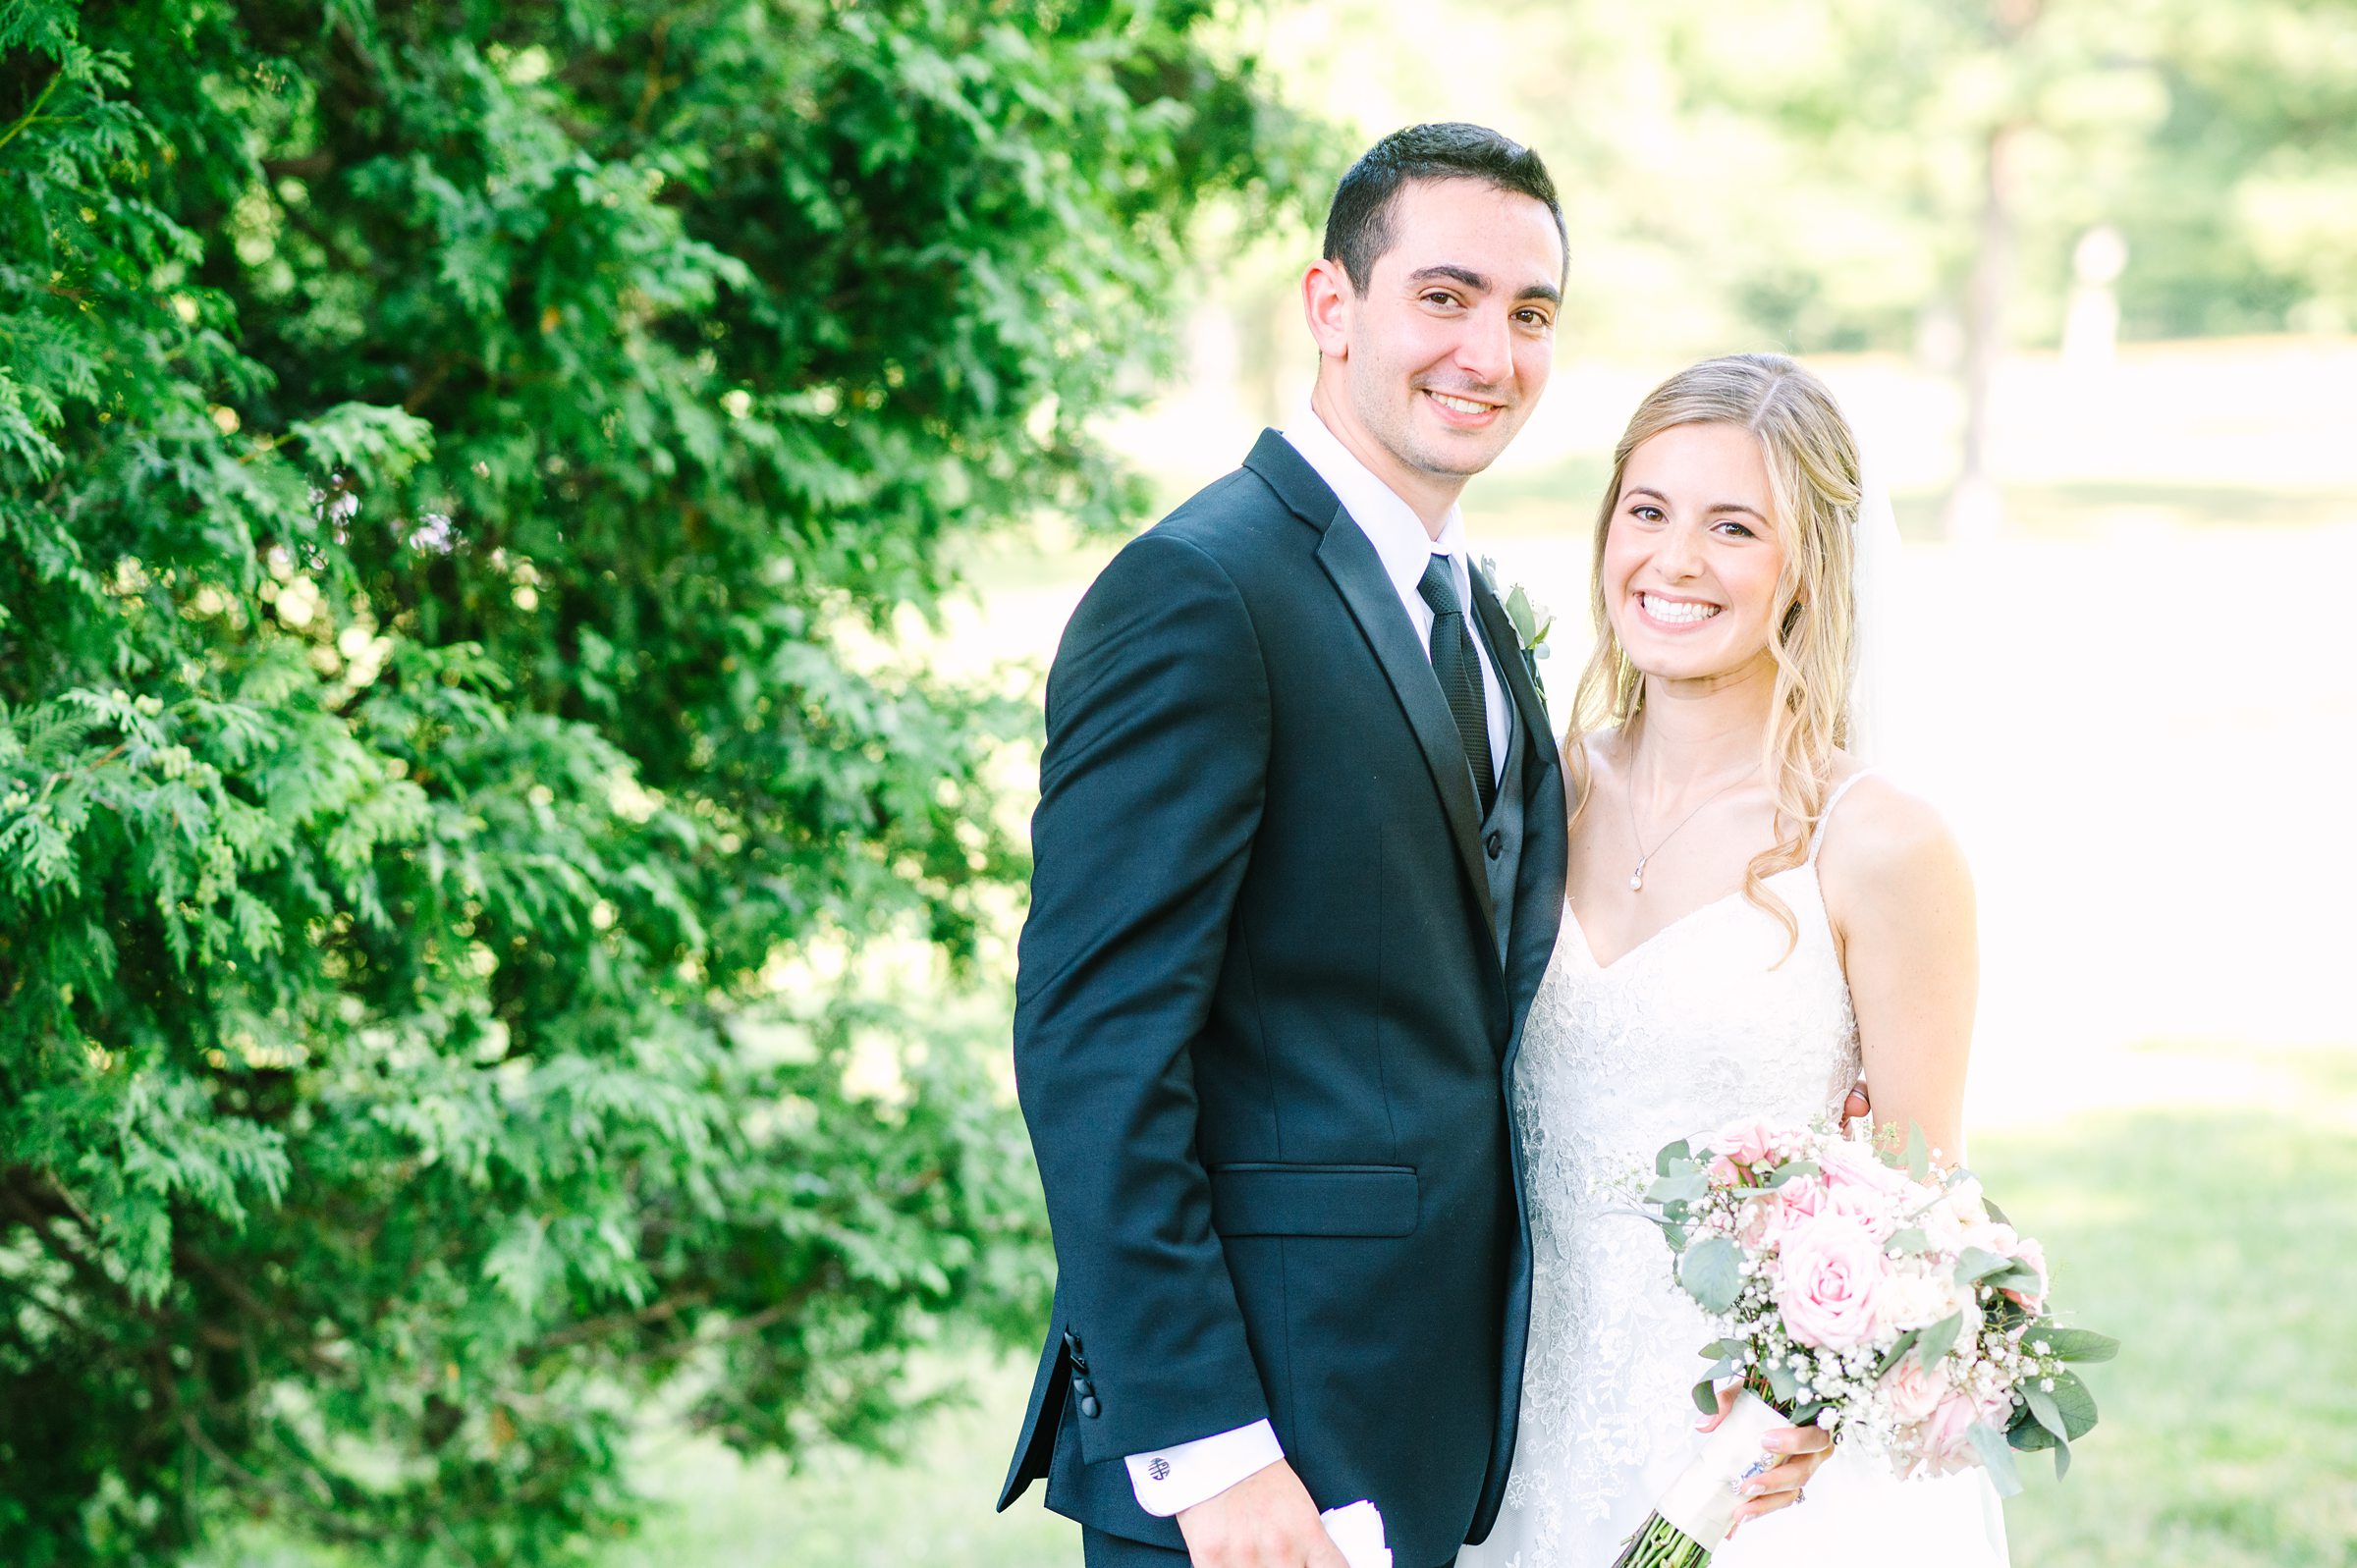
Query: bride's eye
[[1644, 511], [1742, 531]]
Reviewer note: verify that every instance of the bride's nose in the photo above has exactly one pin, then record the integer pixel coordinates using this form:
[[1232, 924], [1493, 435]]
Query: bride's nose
[[1679, 555]]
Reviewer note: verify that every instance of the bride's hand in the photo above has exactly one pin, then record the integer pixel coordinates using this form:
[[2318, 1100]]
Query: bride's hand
[[1857, 1108], [1796, 1453]]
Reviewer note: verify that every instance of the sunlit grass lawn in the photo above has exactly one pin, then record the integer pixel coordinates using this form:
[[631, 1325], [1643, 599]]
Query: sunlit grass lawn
[[2220, 1244]]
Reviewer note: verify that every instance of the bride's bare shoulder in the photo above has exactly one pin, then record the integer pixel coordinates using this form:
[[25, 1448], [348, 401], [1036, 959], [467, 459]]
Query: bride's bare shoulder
[[1883, 840]]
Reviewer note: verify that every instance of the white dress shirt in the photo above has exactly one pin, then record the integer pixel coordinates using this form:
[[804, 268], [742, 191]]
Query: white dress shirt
[[1397, 534], [1186, 1474]]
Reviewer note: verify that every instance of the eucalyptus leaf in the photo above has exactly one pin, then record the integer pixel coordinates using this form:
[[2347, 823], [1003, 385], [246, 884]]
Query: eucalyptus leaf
[[1898, 1348], [1976, 1263], [1919, 1152], [1672, 1155], [1791, 1170], [1939, 1338], [2027, 1436], [2047, 1413], [1710, 1269], [2076, 1344], [2076, 1403], [1996, 1457]]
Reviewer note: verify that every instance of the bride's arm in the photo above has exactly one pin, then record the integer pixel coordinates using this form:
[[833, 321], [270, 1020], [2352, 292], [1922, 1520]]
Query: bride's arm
[[1900, 900]]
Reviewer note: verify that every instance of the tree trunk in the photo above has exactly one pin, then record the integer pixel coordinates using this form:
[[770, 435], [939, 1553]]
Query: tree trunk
[[1976, 507]]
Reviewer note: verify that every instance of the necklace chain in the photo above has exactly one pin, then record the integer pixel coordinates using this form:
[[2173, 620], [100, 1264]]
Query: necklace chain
[[1636, 878]]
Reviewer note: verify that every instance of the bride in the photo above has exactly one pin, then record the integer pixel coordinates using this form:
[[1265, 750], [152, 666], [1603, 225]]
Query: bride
[[1753, 917]]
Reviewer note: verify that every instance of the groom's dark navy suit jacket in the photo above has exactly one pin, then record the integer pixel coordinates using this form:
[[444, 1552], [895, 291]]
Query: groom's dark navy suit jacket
[[1264, 1024]]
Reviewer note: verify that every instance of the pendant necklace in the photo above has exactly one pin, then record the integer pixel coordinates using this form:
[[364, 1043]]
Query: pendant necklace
[[1636, 878]]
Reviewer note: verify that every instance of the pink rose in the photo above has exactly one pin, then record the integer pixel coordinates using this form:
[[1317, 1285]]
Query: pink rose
[[1848, 1164], [1860, 1185], [1772, 1215], [1829, 1272], [1915, 1393], [1747, 1141], [1760, 1222], [1947, 1435], [1721, 1172], [2028, 1249], [1992, 1235]]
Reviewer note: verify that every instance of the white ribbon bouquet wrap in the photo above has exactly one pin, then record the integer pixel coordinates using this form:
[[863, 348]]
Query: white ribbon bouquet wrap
[[1864, 1291]]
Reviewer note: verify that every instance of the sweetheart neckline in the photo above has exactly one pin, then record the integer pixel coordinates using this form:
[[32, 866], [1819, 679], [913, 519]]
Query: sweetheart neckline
[[1588, 947]]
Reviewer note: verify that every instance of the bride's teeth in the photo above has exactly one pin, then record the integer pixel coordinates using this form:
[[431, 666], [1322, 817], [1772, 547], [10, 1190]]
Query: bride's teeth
[[1461, 404], [1675, 612]]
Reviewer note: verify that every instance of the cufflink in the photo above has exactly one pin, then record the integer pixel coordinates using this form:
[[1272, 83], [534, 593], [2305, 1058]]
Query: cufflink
[[1158, 1468]]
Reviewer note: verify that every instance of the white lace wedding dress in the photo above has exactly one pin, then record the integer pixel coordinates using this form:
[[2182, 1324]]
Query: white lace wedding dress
[[1692, 1028]]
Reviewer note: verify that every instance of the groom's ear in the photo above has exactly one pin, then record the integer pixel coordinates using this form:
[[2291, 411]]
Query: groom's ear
[[1326, 299]]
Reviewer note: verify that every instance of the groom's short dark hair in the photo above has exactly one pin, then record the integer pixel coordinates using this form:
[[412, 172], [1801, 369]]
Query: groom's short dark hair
[[1358, 224]]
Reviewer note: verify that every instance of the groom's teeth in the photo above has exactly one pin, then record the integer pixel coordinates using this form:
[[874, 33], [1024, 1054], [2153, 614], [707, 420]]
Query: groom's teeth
[[1677, 611], [1461, 404]]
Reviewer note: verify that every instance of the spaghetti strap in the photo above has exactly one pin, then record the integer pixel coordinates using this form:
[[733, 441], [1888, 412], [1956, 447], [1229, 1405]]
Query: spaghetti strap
[[1826, 815]]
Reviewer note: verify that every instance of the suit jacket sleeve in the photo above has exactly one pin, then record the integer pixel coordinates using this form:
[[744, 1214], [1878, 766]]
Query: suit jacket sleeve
[[1150, 793]]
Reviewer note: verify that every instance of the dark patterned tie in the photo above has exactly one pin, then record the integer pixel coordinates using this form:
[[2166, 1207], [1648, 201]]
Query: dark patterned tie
[[1460, 670]]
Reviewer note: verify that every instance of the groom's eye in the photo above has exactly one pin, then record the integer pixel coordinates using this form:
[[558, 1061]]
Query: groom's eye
[[1440, 296]]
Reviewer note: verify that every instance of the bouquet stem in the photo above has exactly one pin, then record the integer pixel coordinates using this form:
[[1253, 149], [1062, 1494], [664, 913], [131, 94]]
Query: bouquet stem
[[1695, 1514], [1659, 1544]]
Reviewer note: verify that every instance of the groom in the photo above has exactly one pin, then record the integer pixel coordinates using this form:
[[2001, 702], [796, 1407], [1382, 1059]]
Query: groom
[[1299, 862]]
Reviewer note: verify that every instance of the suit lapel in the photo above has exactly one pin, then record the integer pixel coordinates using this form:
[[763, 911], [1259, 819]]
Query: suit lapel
[[1351, 561], [1357, 573]]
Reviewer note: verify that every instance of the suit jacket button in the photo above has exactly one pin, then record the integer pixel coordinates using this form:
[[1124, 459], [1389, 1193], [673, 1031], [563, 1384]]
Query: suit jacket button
[[1495, 844], [1089, 1406]]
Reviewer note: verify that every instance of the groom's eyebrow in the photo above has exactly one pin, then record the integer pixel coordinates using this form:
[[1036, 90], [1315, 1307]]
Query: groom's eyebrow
[[1480, 282]]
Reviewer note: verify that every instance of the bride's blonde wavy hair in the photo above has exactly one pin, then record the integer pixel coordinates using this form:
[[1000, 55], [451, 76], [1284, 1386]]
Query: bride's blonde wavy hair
[[1813, 482]]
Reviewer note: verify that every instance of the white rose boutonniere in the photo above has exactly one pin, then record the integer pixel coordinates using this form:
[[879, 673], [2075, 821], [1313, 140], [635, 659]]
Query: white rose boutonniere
[[1531, 621]]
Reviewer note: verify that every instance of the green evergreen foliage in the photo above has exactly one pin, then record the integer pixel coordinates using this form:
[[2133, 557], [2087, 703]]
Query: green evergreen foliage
[[459, 467]]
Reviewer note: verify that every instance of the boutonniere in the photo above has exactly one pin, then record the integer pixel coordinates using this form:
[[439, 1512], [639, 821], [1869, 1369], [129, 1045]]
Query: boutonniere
[[1531, 621]]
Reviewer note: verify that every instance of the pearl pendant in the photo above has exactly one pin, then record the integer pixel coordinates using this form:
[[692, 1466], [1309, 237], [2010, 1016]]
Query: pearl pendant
[[1636, 878]]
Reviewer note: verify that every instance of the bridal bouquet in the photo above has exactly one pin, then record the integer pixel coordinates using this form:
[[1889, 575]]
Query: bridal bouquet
[[1862, 1291]]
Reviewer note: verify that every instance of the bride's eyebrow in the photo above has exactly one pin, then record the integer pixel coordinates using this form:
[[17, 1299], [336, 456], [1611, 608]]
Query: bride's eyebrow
[[1716, 506]]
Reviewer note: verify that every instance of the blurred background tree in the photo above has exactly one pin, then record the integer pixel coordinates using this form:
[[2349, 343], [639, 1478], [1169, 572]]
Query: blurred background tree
[[489, 914], [1896, 175]]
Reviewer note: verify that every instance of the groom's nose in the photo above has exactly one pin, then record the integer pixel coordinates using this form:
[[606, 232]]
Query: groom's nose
[[1485, 347]]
